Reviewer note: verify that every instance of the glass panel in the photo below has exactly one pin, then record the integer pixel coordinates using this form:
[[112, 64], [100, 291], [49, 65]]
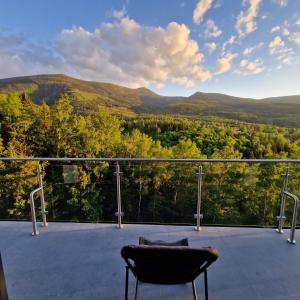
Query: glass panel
[[159, 192], [156, 192], [294, 188], [241, 194], [17, 180], [82, 192]]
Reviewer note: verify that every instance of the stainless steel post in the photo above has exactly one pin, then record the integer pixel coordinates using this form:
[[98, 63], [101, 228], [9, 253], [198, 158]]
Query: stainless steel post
[[281, 218], [32, 208], [119, 213], [294, 219], [43, 208], [198, 216]]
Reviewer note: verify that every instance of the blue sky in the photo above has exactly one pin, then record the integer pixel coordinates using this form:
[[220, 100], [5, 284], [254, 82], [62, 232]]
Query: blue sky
[[248, 48]]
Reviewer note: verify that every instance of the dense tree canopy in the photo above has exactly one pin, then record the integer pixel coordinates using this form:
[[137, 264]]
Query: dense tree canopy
[[151, 192]]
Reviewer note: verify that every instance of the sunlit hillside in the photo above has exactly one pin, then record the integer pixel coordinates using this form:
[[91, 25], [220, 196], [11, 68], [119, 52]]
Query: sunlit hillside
[[87, 95]]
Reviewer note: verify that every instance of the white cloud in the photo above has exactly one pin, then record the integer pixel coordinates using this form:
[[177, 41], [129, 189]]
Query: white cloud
[[10, 39], [292, 36], [247, 67], [119, 14], [224, 63], [128, 53], [282, 53], [276, 43], [245, 21], [286, 24], [123, 52], [287, 59], [185, 81], [38, 60], [230, 41], [282, 3], [286, 55], [295, 37], [201, 8], [276, 28], [19, 57], [218, 4], [285, 32], [211, 29], [249, 50], [211, 47]]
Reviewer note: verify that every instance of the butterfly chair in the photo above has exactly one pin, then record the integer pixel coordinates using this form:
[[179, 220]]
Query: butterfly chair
[[3, 290], [161, 264]]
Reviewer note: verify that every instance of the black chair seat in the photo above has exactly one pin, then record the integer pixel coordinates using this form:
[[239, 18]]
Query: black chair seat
[[160, 264]]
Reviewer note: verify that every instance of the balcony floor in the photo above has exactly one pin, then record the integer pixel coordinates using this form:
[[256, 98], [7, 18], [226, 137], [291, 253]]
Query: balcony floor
[[82, 261]]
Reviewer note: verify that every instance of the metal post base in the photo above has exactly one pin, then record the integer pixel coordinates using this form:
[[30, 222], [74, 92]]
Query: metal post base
[[279, 231], [293, 242], [120, 226], [197, 229], [34, 234]]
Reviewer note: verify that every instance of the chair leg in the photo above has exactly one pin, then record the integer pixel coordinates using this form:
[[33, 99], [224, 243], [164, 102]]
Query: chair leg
[[194, 290], [205, 283], [3, 289], [136, 288], [126, 283]]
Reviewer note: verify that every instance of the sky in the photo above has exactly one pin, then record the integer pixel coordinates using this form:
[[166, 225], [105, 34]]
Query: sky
[[245, 48]]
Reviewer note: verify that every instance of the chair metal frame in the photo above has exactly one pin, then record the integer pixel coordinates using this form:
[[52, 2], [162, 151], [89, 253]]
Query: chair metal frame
[[137, 284], [3, 289], [131, 267]]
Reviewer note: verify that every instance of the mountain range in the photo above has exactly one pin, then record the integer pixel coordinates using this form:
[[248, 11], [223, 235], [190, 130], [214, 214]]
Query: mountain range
[[87, 95]]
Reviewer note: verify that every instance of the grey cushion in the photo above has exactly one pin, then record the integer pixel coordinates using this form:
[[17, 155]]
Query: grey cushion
[[146, 242]]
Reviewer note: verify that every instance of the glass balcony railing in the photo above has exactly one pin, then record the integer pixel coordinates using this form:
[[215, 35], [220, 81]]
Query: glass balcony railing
[[165, 191]]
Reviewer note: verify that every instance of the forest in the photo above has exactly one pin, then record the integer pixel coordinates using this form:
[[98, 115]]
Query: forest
[[233, 193]]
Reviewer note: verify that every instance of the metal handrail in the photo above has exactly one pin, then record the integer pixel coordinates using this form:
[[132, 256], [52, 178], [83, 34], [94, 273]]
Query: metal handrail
[[294, 219], [281, 218], [118, 159], [32, 207]]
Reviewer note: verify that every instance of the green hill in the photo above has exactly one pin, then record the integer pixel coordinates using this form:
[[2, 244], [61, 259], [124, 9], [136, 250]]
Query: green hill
[[87, 95], [283, 111]]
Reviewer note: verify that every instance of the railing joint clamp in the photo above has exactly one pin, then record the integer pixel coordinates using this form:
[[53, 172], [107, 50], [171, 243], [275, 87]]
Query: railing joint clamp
[[196, 216], [119, 214]]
